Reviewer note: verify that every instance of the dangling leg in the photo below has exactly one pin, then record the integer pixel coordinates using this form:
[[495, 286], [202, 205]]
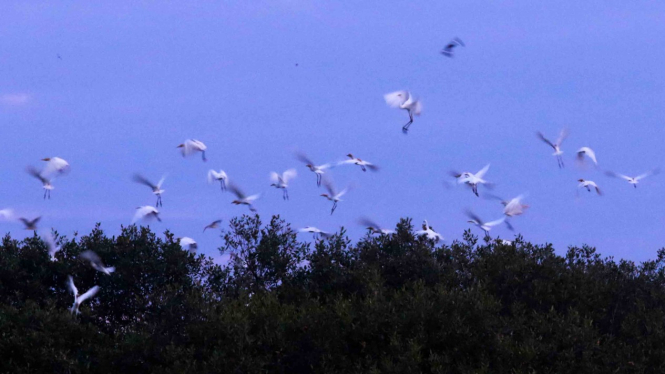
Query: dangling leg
[[405, 129], [45, 192], [285, 194], [203, 156], [363, 167], [333, 208], [318, 180]]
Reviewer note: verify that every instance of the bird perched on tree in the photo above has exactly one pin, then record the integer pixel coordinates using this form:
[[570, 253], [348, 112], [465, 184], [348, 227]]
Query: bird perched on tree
[[448, 49], [404, 100], [429, 232], [156, 188]]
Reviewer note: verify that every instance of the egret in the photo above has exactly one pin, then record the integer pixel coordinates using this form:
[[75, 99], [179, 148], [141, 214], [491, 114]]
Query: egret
[[54, 166], [79, 299], [213, 225], [486, 226], [404, 100], [333, 195], [364, 165], [242, 199], [188, 243], [191, 146], [156, 188], [319, 170], [588, 152], [429, 232], [557, 146], [282, 181], [146, 212], [633, 180], [46, 182], [218, 176], [473, 180], [96, 262], [315, 231], [588, 185]]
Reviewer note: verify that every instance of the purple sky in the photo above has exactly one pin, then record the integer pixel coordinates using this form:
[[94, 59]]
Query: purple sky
[[135, 81]]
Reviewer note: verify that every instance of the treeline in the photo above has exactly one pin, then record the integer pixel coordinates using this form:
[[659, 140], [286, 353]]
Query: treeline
[[387, 304]]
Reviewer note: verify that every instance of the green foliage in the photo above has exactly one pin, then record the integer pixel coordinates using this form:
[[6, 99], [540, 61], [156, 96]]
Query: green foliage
[[386, 304]]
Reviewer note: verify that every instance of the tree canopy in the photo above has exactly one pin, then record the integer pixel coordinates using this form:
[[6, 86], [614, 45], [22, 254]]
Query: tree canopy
[[397, 303]]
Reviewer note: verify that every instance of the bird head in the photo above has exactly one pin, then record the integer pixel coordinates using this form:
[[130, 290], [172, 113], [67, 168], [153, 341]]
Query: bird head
[[46, 159], [580, 180], [325, 195], [350, 156], [273, 185], [310, 166], [236, 202]]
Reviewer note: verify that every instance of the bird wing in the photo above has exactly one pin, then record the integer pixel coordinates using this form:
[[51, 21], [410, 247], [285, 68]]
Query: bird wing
[[417, 107], [161, 181], [459, 41], [275, 178], [303, 158], [49, 240], [497, 222], [364, 221], [397, 98], [345, 162], [251, 198], [543, 138], [562, 136], [71, 286], [289, 174], [212, 176], [236, 191], [32, 171], [88, 294], [483, 171], [652, 172], [54, 165], [92, 257], [138, 178], [329, 187], [140, 213], [6, 214], [474, 217]]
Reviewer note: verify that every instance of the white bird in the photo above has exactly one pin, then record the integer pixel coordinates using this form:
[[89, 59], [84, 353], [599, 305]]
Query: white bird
[[46, 181], [512, 207], [429, 232], [218, 176], [486, 226], [54, 166], [333, 195], [633, 180], [315, 231], [191, 146], [146, 212], [79, 299], [51, 245], [448, 49], [213, 225], [404, 100], [473, 180], [588, 152], [188, 244], [557, 146], [364, 165], [373, 227], [6, 214], [282, 181], [242, 199], [156, 188], [588, 185], [506, 242], [30, 225], [96, 262], [319, 170]]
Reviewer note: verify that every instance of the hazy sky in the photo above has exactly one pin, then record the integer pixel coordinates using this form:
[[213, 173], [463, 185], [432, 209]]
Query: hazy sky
[[135, 80]]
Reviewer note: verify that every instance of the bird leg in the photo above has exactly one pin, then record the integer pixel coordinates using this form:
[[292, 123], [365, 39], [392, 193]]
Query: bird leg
[[285, 195], [559, 160], [363, 167], [45, 192], [405, 129], [318, 180], [222, 184], [333, 208], [203, 156]]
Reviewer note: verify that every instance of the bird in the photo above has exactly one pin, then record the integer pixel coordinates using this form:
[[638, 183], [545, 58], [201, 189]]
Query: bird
[[473, 180], [506, 242], [6, 214], [512, 207], [633, 180], [282, 181], [373, 227], [96, 262], [557, 146], [486, 226], [156, 188], [588, 184], [190, 146], [188, 243], [213, 225], [319, 170], [364, 165], [333, 195], [429, 232], [79, 299], [404, 100], [146, 212], [54, 166], [51, 245], [242, 199], [315, 231], [30, 225], [218, 176], [448, 49], [46, 182], [588, 152]]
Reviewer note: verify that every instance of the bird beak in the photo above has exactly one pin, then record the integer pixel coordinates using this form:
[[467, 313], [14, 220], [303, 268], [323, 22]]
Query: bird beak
[[180, 146], [46, 159]]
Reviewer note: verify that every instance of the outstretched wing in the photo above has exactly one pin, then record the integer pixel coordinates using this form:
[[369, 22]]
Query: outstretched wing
[[397, 98], [497, 222], [364, 221], [562, 136], [234, 189], [483, 171], [303, 158], [91, 256], [71, 286], [138, 178], [543, 138], [88, 294]]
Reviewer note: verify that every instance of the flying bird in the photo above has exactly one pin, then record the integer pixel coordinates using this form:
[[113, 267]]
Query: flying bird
[[486, 226], [51, 245], [588, 152], [319, 170], [188, 244], [373, 227], [633, 180], [156, 188], [282, 181], [473, 180], [30, 225], [191, 146], [146, 212], [333, 195], [242, 199], [315, 231], [213, 225], [54, 166], [512, 207], [448, 49], [588, 185], [404, 100], [6, 214], [364, 165], [557, 146], [79, 299], [46, 181], [96, 262], [429, 232], [218, 176]]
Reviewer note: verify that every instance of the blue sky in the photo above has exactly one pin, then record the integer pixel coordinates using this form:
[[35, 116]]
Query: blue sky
[[135, 80]]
